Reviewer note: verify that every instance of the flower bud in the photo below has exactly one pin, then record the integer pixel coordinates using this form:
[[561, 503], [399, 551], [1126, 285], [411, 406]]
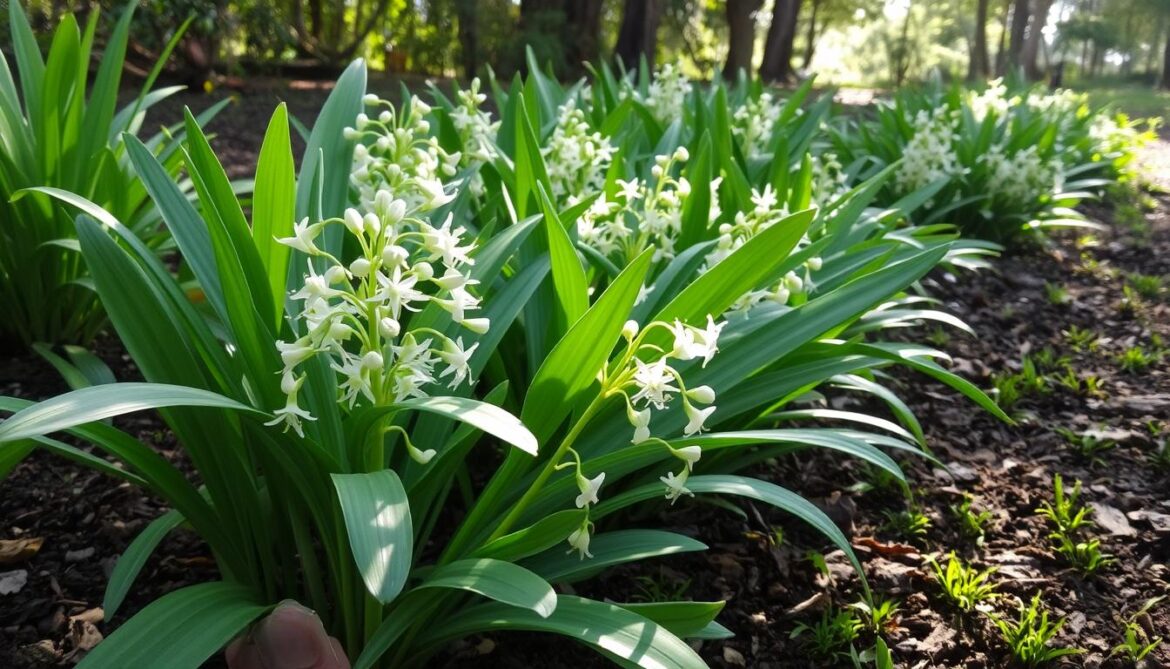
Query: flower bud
[[630, 330], [360, 268], [656, 171], [702, 394], [373, 224], [362, 120], [394, 256], [335, 274], [424, 271], [815, 263], [793, 282], [681, 154], [385, 116], [389, 328], [372, 360], [477, 325], [353, 222]]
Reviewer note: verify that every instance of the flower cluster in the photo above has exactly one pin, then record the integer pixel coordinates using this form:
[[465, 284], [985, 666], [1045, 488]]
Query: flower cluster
[[766, 212], [1016, 179], [477, 132], [643, 213], [667, 94], [930, 154], [397, 153], [754, 123], [357, 313], [577, 157], [647, 381], [829, 179]]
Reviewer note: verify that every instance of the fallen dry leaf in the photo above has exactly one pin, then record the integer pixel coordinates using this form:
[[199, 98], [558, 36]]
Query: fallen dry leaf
[[19, 550], [885, 549]]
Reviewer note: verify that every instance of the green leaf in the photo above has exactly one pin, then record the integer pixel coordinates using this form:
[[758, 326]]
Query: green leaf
[[683, 619], [95, 403], [609, 549], [608, 628], [568, 275], [487, 417], [186, 627], [274, 205], [540, 536], [746, 269], [575, 360], [741, 486], [381, 536], [130, 563], [504, 582]]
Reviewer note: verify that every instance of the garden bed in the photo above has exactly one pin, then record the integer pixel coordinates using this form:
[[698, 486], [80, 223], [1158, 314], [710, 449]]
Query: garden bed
[[85, 520]]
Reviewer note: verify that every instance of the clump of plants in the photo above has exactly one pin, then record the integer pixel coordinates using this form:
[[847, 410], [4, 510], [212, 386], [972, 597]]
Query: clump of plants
[[1029, 637], [55, 135], [965, 586], [1069, 519]]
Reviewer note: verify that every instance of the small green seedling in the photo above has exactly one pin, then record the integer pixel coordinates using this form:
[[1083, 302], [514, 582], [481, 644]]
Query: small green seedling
[[882, 614], [1065, 513], [1088, 445], [1085, 556], [1082, 339], [1028, 637], [1056, 294], [1137, 644], [831, 637], [911, 523], [963, 585], [971, 522]]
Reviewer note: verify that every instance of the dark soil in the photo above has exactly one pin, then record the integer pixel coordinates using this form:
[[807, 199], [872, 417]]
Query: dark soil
[[86, 520]]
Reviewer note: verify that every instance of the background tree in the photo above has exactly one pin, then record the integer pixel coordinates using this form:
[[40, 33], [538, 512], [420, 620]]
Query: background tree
[[778, 46], [638, 34], [741, 36], [980, 62]]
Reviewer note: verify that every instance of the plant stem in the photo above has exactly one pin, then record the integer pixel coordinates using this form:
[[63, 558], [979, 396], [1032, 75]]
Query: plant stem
[[549, 467]]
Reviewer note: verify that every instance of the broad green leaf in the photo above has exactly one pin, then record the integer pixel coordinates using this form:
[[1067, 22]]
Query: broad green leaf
[[487, 417], [568, 275], [95, 403], [274, 205], [609, 549], [504, 582], [541, 535], [134, 558], [683, 619], [377, 521], [576, 359], [607, 628], [186, 627]]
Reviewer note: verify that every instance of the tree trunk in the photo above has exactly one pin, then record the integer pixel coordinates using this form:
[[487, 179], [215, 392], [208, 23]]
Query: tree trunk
[[980, 64], [468, 36], [810, 37], [1166, 66], [638, 35], [741, 37], [583, 32], [1017, 33], [1035, 37], [777, 63]]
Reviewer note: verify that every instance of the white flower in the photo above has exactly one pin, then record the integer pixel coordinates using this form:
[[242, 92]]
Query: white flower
[[653, 382], [294, 353], [675, 486], [696, 418], [303, 236], [708, 338], [291, 415], [443, 243], [456, 358], [579, 540], [689, 455], [641, 422], [397, 292], [589, 489]]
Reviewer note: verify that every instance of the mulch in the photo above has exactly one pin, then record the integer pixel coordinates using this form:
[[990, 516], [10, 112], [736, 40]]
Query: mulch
[[85, 520]]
